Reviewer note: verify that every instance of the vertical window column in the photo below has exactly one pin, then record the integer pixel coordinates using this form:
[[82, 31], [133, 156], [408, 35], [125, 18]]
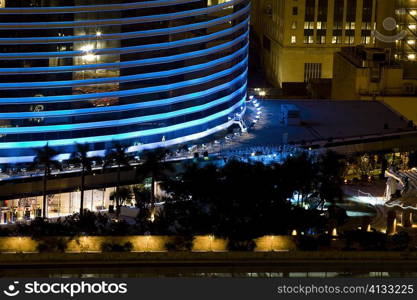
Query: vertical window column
[[309, 21], [338, 16], [322, 15], [366, 29], [350, 24]]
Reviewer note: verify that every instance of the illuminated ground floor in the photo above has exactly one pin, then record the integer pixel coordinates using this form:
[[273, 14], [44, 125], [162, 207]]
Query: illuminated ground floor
[[58, 205]]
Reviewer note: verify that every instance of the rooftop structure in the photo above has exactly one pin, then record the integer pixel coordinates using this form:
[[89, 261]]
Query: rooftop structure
[[344, 126], [372, 74]]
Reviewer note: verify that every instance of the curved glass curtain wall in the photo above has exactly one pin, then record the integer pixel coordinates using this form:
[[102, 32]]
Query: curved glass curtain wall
[[144, 73]]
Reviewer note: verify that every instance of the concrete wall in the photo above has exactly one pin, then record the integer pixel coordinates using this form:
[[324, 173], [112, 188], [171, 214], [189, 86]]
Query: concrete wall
[[275, 243], [87, 244], [406, 106], [344, 86]]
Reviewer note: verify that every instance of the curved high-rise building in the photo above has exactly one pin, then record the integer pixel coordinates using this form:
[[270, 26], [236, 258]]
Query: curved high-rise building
[[143, 73]]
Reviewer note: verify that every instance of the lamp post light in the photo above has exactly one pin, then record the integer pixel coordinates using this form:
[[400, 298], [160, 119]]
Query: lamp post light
[[271, 242], [147, 243], [211, 238]]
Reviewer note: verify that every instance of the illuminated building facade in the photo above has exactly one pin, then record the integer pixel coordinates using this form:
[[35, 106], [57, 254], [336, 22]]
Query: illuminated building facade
[[143, 73], [300, 37], [406, 14]]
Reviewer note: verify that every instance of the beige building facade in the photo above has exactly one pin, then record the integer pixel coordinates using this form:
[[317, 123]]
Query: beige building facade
[[300, 37], [406, 16]]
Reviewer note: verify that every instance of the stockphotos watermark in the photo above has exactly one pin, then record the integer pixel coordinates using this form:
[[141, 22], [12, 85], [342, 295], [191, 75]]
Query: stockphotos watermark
[[71, 289], [389, 24]]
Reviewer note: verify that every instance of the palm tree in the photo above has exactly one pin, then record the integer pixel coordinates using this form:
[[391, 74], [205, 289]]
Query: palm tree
[[155, 167], [142, 198], [331, 169], [44, 158], [124, 194], [80, 158], [117, 156]]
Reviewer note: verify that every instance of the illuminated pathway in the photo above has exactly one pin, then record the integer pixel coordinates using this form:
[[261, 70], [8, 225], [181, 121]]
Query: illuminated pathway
[[366, 199]]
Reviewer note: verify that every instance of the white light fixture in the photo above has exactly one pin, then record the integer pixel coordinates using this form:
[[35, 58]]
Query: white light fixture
[[87, 48], [89, 57]]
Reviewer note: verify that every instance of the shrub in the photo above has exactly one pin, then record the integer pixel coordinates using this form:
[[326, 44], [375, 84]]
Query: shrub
[[115, 247], [180, 243], [52, 245], [400, 241], [368, 241], [324, 240], [241, 245], [308, 243]]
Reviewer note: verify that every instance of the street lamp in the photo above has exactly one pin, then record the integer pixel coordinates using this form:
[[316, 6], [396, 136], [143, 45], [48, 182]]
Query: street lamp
[[271, 242], [211, 238]]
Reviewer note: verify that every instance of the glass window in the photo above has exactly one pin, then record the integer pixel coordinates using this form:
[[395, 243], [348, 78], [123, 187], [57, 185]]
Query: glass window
[[349, 39], [308, 25], [366, 40], [321, 39], [321, 25], [350, 25], [295, 10], [337, 39], [309, 39], [294, 25]]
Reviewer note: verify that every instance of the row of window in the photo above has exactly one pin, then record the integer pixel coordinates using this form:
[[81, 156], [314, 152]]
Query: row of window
[[323, 25], [352, 6], [322, 39], [341, 20]]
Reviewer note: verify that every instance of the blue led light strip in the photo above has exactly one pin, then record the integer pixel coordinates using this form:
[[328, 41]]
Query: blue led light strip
[[125, 35], [123, 136], [126, 93], [122, 122], [167, 143], [121, 79], [122, 21], [126, 64], [125, 107], [92, 8], [131, 49]]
